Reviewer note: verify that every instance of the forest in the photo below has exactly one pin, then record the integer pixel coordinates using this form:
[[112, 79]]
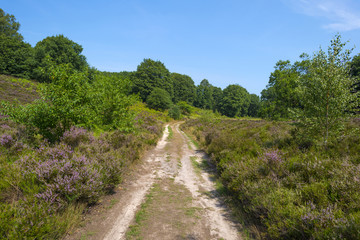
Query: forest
[[289, 159]]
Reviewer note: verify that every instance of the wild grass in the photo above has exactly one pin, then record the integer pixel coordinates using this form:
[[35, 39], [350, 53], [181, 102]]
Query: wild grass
[[196, 165], [286, 189], [171, 133], [195, 143], [142, 214]]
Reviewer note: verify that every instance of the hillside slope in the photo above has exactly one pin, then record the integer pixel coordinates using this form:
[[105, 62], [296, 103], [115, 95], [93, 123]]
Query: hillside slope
[[14, 89]]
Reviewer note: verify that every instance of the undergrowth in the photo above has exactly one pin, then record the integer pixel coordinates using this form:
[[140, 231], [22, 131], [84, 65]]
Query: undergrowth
[[287, 189], [46, 187]]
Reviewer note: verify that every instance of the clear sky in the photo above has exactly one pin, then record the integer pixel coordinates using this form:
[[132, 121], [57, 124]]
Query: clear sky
[[224, 41]]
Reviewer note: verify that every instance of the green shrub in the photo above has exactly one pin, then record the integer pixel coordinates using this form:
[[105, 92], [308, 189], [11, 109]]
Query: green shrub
[[72, 100], [174, 112], [159, 99]]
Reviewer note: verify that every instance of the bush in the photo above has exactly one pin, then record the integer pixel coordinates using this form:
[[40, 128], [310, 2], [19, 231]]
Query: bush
[[6, 140], [174, 112], [75, 136], [159, 99], [65, 176], [185, 108]]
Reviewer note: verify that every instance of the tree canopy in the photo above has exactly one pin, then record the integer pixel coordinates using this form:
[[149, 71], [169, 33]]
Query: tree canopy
[[151, 74], [355, 71], [204, 95], [159, 99], [254, 105], [184, 88], [235, 101], [9, 26], [327, 95], [15, 55], [281, 93], [57, 50]]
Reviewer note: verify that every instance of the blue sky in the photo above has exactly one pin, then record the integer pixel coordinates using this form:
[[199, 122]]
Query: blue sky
[[224, 41]]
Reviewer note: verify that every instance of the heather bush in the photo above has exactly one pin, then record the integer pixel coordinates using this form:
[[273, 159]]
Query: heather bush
[[75, 135], [290, 189], [63, 175], [6, 140]]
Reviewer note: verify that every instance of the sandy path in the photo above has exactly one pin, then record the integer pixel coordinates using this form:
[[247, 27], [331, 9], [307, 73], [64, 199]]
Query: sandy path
[[216, 212], [169, 167], [141, 187]]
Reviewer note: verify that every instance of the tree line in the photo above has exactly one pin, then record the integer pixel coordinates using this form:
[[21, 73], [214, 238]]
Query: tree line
[[152, 81], [164, 90]]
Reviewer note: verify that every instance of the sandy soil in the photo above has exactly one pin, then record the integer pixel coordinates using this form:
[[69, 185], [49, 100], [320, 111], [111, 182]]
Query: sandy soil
[[181, 203]]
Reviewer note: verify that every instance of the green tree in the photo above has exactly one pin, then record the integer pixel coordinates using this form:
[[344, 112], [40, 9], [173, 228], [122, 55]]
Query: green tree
[[281, 93], [355, 71], [217, 94], [111, 101], [185, 108], [254, 105], [204, 95], [8, 26], [16, 57], [326, 91], [184, 88], [149, 75], [57, 50], [235, 101], [159, 99], [267, 104]]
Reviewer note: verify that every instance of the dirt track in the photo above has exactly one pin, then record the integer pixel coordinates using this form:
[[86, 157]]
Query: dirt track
[[168, 197]]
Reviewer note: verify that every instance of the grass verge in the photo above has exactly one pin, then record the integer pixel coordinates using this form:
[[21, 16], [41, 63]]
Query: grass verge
[[171, 133]]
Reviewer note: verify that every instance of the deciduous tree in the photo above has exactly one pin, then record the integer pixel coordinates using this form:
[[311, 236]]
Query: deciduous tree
[[159, 99], [235, 101], [184, 88], [15, 55], [57, 50], [151, 74], [281, 93], [9, 26], [204, 95], [327, 93]]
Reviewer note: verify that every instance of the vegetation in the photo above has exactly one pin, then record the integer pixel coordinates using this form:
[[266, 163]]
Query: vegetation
[[287, 191], [15, 55], [280, 93], [56, 50], [18, 90], [235, 101], [45, 185], [327, 94], [184, 88], [295, 180], [159, 99], [151, 74]]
